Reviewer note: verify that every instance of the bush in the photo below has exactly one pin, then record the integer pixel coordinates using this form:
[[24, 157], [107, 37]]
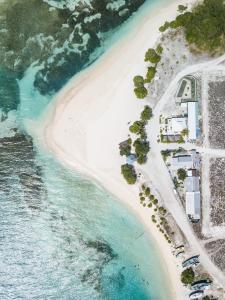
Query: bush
[[165, 154], [142, 159], [164, 27], [125, 147], [129, 173], [138, 81], [159, 49], [181, 8], [152, 56], [141, 92], [187, 276], [150, 74], [181, 174], [155, 201], [146, 114], [208, 17], [141, 147], [206, 298], [137, 127]]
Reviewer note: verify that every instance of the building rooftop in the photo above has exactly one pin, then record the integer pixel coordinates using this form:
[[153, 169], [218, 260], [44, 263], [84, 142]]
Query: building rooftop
[[176, 125], [191, 184], [192, 120], [193, 205]]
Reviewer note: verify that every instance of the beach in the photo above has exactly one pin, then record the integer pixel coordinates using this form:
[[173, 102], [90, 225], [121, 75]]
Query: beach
[[90, 116]]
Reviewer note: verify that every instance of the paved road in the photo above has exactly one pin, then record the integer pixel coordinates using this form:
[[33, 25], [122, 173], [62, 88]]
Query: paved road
[[161, 180]]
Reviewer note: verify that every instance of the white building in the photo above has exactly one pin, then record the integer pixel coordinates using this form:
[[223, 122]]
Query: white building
[[187, 161], [193, 205], [192, 110], [182, 161], [176, 125], [191, 184]]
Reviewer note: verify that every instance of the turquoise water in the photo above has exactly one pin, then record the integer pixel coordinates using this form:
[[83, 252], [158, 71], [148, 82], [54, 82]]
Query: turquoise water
[[62, 236]]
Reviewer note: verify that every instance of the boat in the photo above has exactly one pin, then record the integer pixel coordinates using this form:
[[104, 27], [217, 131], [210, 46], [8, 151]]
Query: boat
[[201, 285], [196, 295]]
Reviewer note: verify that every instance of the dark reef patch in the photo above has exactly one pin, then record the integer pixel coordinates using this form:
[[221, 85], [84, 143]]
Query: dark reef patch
[[18, 168], [101, 255], [58, 38], [9, 92]]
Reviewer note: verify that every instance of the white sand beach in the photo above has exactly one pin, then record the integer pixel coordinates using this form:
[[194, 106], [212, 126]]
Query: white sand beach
[[90, 116]]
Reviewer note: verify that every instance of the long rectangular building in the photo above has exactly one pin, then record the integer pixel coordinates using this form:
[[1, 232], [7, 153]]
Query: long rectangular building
[[192, 120], [193, 208]]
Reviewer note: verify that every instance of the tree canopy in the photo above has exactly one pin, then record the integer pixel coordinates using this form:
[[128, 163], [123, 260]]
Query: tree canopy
[[146, 114], [182, 174], [152, 56], [150, 74], [137, 127], [129, 173], [187, 276], [204, 27], [141, 92], [138, 81]]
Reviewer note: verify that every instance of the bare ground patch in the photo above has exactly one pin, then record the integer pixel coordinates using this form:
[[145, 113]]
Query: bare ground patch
[[216, 250], [216, 107], [217, 191]]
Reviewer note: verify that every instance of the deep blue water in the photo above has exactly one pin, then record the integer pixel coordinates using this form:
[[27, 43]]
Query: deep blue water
[[61, 236]]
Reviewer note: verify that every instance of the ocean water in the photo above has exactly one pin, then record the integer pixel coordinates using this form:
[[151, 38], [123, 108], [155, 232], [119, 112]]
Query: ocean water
[[62, 236]]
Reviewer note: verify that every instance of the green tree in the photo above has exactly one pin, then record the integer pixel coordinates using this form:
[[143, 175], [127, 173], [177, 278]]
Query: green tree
[[142, 159], [141, 92], [159, 49], [150, 74], [141, 147], [165, 154], [181, 174], [137, 127], [187, 276], [146, 114], [209, 19], [125, 147], [129, 173], [164, 27], [206, 298], [138, 81], [181, 8], [152, 56]]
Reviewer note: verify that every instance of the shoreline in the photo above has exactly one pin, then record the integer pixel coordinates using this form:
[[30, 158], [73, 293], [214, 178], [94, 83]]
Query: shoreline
[[84, 131]]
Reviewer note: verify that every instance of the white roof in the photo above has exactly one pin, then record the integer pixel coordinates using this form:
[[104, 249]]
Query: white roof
[[193, 204], [192, 120], [178, 124], [192, 184]]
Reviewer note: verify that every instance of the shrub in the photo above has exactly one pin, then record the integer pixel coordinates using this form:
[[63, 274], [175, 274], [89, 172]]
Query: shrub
[[125, 147], [182, 174], [146, 114], [181, 8], [164, 27], [141, 147], [150, 74], [206, 298], [159, 49], [129, 173], [155, 201], [142, 159], [137, 127], [138, 81], [187, 276], [140, 92], [152, 56], [165, 154], [147, 191]]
